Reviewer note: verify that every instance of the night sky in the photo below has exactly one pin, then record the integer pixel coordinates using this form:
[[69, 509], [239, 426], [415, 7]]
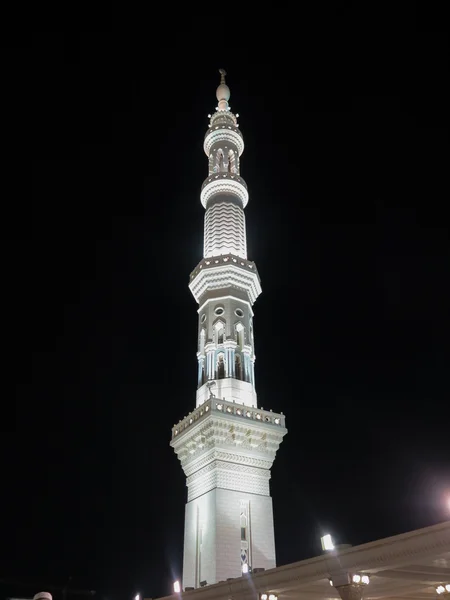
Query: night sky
[[344, 114]]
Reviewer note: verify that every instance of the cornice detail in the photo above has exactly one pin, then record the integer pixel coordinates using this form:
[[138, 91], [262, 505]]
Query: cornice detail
[[224, 184], [223, 133], [223, 272]]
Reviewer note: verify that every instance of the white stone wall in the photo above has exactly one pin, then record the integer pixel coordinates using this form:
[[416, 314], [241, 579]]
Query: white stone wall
[[199, 564], [208, 317], [220, 558], [228, 475], [236, 317], [231, 390]]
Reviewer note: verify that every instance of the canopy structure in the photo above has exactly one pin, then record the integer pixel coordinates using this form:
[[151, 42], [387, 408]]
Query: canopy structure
[[409, 566]]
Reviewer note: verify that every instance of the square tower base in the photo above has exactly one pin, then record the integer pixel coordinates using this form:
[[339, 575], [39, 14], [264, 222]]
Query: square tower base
[[223, 530]]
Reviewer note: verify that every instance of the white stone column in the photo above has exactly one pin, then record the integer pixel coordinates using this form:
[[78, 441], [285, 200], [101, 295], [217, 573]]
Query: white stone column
[[211, 374], [252, 368], [199, 377]]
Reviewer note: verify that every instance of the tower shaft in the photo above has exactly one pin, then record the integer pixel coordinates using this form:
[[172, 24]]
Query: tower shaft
[[227, 445]]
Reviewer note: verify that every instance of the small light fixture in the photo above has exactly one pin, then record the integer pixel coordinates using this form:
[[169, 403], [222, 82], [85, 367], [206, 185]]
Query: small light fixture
[[327, 542], [361, 579], [176, 587], [443, 589], [245, 568]]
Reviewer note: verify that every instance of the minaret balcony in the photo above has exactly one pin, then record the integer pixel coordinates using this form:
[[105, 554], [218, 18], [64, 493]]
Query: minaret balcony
[[222, 272], [230, 410], [229, 184], [223, 133]]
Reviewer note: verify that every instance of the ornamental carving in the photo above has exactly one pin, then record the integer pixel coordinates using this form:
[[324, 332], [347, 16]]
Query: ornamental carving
[[233, 136], [225, 185]]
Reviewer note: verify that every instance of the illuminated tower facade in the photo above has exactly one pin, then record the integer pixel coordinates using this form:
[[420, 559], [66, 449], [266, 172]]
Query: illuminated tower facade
[[227, 444]]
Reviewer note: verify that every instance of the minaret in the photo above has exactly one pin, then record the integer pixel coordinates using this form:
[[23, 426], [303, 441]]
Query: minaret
[[227, 445]]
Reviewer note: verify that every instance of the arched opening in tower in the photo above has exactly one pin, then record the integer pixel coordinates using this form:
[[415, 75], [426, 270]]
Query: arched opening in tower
[[231, 162], [220, 367], [238, 367]]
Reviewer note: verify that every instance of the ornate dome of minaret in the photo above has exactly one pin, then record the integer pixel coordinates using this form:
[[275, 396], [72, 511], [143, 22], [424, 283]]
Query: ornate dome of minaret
[[227, 444], [223, 91]]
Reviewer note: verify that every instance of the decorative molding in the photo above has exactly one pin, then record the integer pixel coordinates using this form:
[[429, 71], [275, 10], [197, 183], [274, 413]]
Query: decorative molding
[[224, 184], [241, 418], [227, 297], [215, 454], [240, 443], [223, 133], [230, 476], [220, 275]]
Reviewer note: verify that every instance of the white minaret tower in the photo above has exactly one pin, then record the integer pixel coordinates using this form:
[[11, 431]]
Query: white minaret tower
[[227, 445]]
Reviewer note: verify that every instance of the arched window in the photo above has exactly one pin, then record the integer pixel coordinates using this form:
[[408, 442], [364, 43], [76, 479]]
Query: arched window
[[240, 335], [220, 366], [201, 344], [238, 367], [219, 166], [220, 332], [243, 528], [232, 162]]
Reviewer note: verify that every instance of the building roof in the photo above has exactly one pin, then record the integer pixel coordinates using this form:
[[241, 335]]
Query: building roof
[[406, 566]]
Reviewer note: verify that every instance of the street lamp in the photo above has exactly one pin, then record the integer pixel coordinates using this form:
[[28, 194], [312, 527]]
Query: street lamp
[[327, 542]]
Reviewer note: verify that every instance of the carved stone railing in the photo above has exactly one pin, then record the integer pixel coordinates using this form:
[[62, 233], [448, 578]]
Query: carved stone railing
[[232, 409], [223, 259]]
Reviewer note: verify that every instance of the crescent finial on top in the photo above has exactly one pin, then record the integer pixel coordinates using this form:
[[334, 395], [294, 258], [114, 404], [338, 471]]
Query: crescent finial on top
[[223, 91], [222, 76]]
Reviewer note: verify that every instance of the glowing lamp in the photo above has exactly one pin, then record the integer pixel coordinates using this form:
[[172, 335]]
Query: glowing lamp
[[443, 589], [327, 542]]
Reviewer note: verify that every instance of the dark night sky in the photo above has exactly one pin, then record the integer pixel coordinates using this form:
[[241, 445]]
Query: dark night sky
[[345, 120]]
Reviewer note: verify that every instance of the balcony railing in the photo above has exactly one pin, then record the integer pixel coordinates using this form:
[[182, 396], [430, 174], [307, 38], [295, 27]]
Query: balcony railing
[[216, 405]]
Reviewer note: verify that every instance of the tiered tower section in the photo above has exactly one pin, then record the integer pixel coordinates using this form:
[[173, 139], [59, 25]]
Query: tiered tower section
[[225, 283], [227, 445]]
